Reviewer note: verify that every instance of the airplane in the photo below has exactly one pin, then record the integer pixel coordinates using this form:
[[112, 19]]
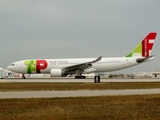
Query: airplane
[[79, 66]]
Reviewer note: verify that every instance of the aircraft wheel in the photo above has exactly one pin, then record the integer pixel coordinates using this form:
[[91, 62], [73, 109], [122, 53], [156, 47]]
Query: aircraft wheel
[[23, 77], [80, 77], [76, 77], [96, 79], [83, 77]]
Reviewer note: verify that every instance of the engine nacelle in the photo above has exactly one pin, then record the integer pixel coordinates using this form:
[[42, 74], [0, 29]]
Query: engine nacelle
[[90, 70], [56, 72]]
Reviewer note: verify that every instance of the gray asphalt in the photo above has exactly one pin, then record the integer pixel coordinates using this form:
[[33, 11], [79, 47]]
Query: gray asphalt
[[77, 93], [77, 80]]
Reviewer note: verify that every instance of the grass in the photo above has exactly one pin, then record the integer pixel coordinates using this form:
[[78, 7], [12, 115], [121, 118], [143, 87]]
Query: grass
[[76, 86], [141, 107], [136, 107]]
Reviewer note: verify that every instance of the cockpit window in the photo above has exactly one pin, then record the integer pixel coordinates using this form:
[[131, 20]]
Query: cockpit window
[[13, 64]]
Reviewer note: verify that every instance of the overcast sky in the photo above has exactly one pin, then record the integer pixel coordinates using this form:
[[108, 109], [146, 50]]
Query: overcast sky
[[31, 29]]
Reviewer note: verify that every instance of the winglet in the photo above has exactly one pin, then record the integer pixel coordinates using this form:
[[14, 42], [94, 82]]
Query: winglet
[[145, 47], [96, 60]]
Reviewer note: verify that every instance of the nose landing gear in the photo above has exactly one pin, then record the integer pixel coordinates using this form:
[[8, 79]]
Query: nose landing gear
[[23, 76]]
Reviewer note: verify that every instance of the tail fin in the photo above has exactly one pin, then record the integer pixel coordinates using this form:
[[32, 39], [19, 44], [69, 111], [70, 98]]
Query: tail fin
[[145, 47]]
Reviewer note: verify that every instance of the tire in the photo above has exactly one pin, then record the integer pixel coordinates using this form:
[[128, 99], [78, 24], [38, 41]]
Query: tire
[[99, 79], [96, 79], [80, 77], [83, 77]]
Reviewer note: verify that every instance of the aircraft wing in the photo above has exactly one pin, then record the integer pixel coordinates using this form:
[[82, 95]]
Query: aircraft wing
[[79, 68]]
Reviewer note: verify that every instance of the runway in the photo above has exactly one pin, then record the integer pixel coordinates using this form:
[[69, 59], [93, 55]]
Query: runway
[[77, 80], [77, 93]]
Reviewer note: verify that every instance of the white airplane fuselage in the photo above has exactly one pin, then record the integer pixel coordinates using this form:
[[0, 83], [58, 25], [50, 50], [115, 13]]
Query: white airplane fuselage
[[104, 65]]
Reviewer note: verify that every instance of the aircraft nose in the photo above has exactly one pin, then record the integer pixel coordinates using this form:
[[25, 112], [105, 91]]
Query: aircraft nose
[[9, 67]]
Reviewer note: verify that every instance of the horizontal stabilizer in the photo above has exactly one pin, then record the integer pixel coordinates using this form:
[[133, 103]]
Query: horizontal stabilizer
[[140, 60]]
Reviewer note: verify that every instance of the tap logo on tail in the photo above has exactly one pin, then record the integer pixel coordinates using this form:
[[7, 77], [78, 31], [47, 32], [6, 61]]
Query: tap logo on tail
[[145, 47], [147, 44]]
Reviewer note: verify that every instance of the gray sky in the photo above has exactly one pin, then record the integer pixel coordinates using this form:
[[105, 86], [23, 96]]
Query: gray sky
[[31, 29]]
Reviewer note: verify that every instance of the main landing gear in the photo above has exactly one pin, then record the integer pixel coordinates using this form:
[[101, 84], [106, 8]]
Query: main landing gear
[[80, 77], [97, 79]]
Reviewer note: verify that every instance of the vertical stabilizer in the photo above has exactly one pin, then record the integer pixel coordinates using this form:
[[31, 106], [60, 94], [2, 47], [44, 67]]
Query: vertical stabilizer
[[145, 47]]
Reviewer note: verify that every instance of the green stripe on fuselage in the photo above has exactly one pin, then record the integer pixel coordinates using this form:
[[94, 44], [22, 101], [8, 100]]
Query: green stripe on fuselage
[[31, 65]]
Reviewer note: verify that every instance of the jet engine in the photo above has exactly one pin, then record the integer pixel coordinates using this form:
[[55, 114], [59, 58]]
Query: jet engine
[[56, 72]]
